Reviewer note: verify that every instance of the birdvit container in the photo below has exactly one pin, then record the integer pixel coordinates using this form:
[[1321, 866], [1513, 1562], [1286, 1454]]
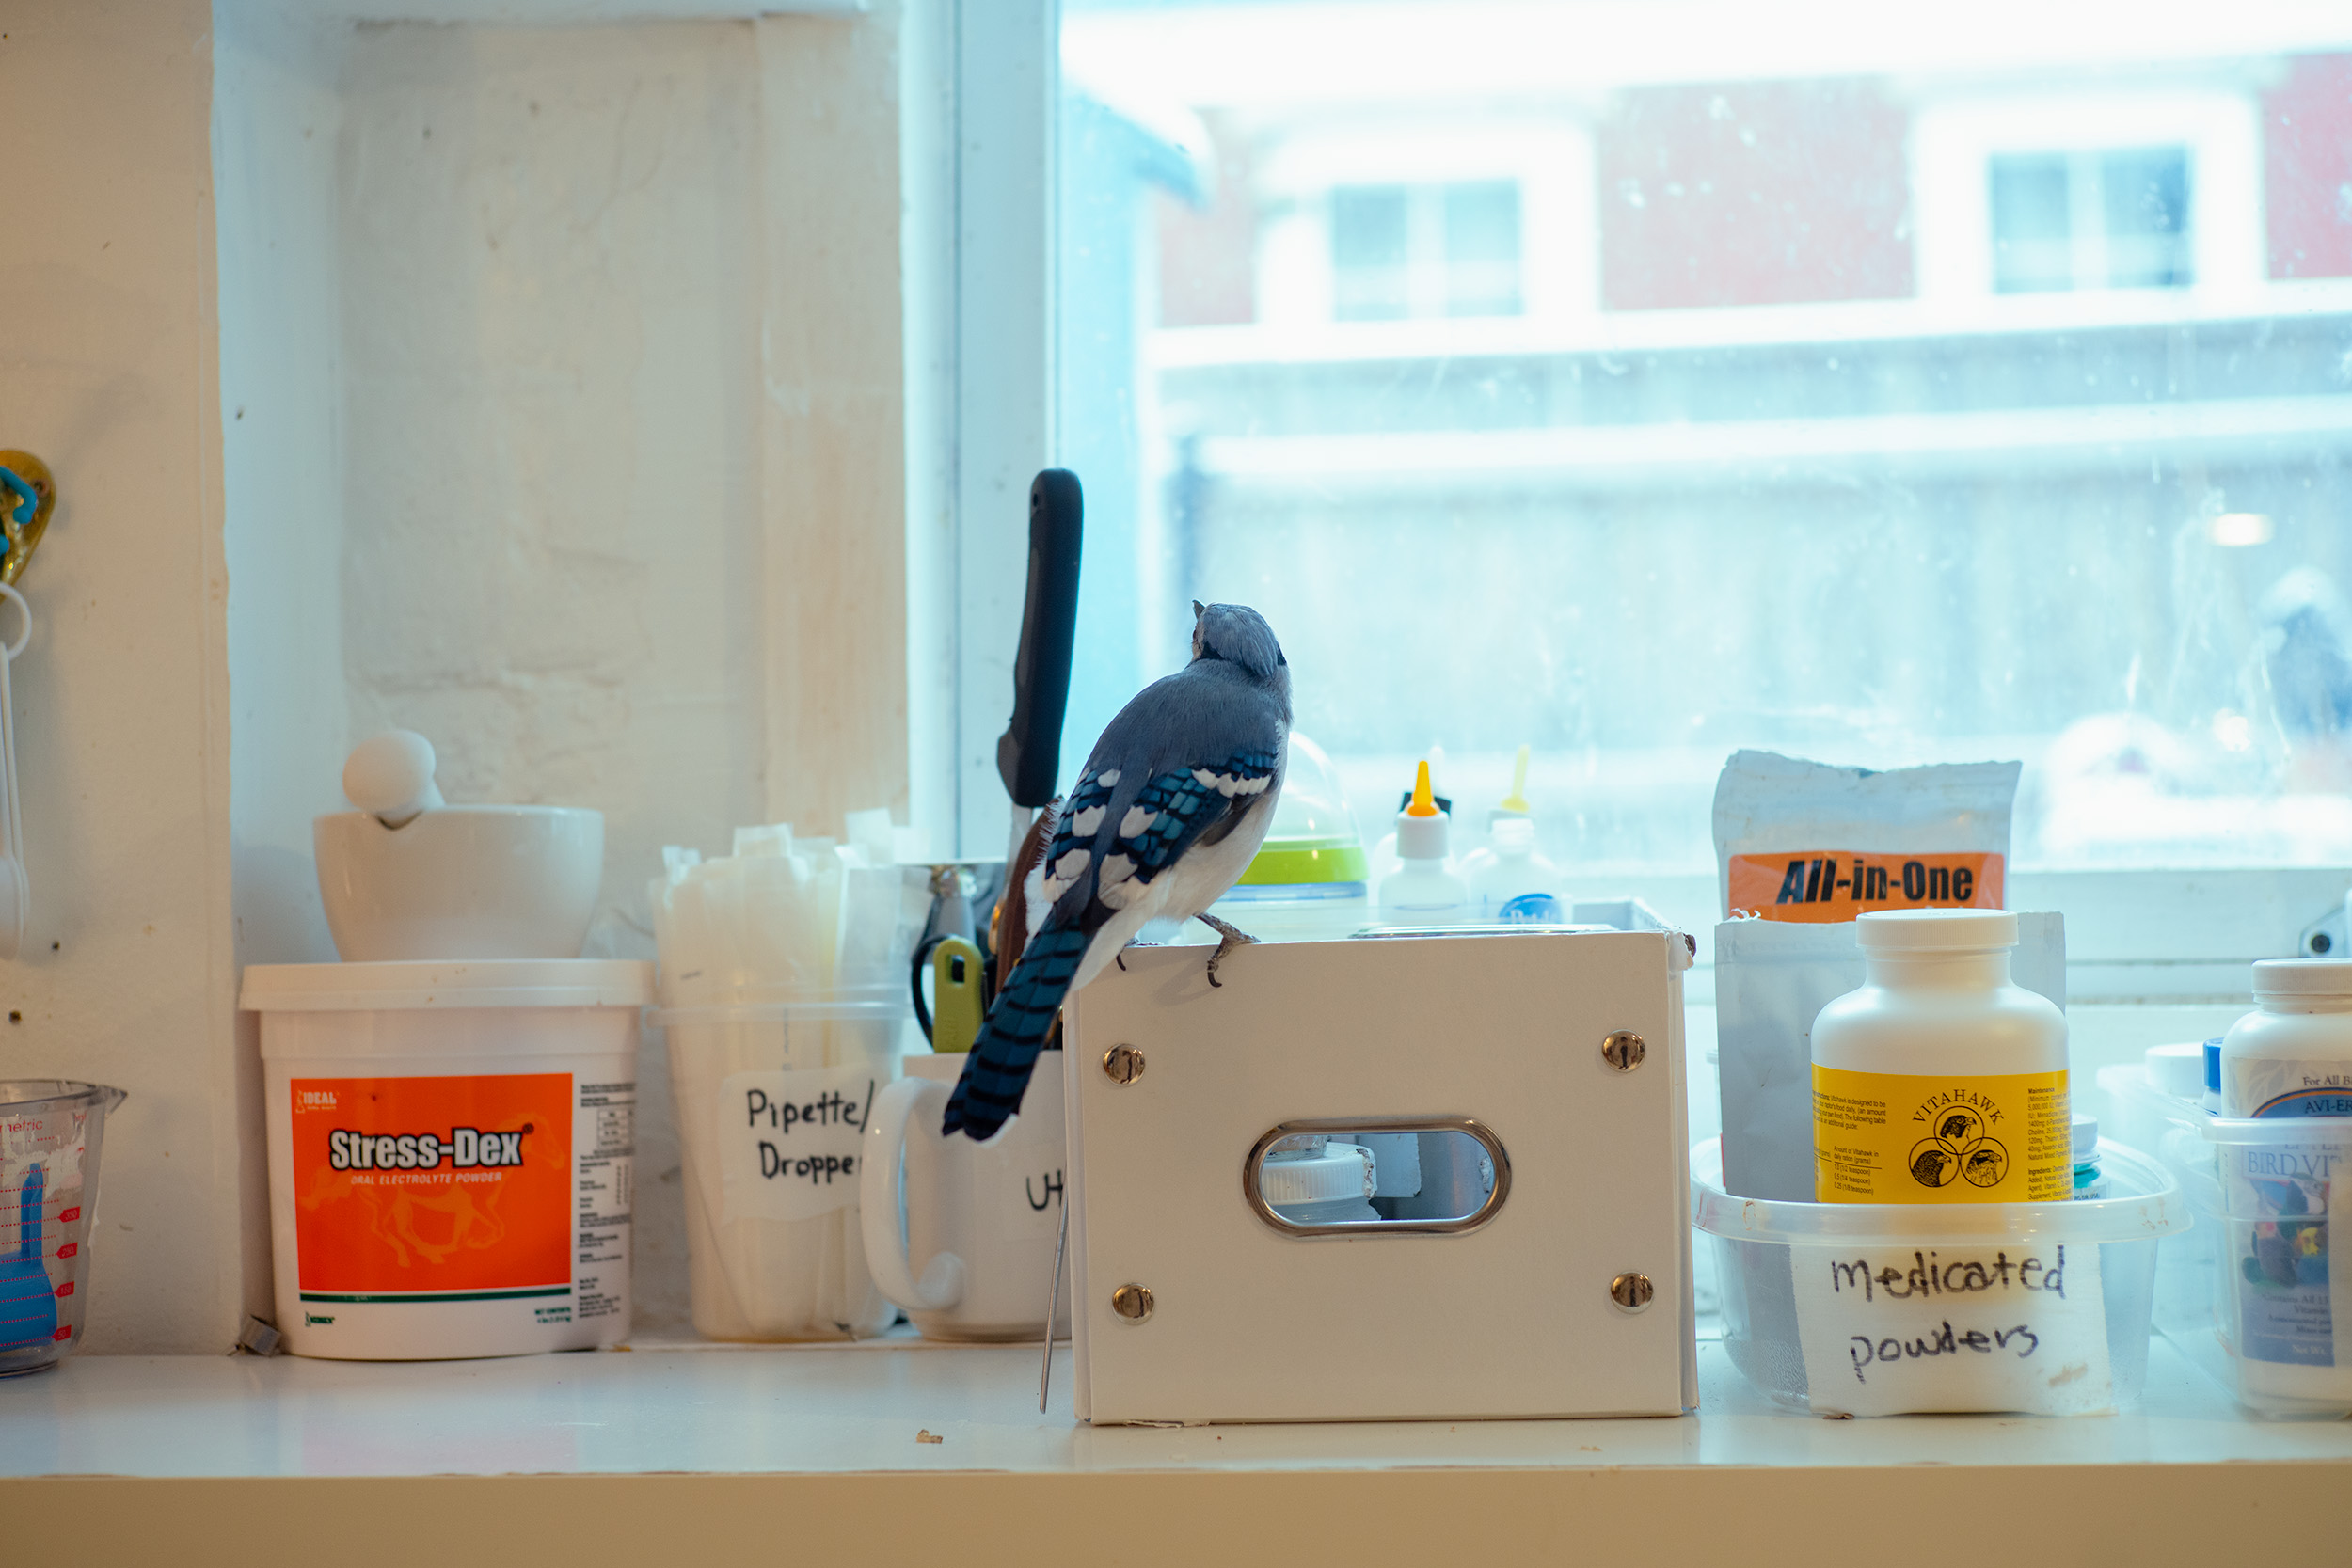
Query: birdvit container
[[449, 1150]]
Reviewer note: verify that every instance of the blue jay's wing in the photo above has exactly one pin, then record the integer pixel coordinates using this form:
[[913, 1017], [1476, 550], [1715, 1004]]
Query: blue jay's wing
[[1176, 811], [1096, 867]]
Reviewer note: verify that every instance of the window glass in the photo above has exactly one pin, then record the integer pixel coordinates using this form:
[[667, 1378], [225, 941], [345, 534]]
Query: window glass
[[1371, 261], [1482, 248], [2144, 205], [1640, 383], [2033, 224], [2092, 220]]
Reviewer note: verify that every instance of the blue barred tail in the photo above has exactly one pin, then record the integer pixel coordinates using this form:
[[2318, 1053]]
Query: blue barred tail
[[996, 1073]]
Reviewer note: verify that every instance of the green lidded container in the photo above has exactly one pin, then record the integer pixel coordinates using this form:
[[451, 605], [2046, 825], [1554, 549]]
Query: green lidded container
[[1313, 842]]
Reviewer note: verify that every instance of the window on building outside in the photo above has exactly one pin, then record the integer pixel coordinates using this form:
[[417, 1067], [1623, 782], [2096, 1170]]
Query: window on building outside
[[1426, 250], [2092, 220]]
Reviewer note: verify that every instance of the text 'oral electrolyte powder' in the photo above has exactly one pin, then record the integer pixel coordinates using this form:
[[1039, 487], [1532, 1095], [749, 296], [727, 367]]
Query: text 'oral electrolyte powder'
[[451, 1150]]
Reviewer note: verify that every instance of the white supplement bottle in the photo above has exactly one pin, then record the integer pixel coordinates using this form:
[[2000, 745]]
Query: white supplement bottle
[[2291, 1056], [1942, 1080]]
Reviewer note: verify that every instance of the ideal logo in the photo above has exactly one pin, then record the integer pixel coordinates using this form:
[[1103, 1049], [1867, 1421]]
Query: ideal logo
[[311, 1320]]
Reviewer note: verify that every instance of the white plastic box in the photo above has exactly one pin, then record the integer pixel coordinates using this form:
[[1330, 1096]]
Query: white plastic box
[[451, 1153], [2253, 1294], [1569, 1297], [2039, 1307]]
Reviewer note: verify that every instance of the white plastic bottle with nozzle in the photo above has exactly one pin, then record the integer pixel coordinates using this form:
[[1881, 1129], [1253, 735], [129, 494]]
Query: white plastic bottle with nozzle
[[1426, 892], [1509, 880]]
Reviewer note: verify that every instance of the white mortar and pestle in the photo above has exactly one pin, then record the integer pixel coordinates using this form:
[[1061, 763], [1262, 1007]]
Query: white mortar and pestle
[[410, 877]]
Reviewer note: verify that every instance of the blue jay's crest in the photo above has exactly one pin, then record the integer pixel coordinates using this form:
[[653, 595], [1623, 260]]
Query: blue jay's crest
[[1172, 805], [1238, 634]]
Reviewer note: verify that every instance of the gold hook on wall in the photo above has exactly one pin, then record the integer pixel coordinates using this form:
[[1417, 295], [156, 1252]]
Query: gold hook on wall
[[21, 472]]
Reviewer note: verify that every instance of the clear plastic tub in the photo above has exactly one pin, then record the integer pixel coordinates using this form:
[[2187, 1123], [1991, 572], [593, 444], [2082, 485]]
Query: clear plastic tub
[[773, 1098], [50, 1134], [2251, 1297], [1850, 1308]]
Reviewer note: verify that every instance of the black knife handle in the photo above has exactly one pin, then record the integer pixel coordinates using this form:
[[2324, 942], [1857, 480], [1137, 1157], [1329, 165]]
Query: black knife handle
[[1028, 756]]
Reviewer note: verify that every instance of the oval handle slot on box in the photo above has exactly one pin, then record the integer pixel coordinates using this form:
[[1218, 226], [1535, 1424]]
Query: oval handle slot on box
[[1377, 1176]]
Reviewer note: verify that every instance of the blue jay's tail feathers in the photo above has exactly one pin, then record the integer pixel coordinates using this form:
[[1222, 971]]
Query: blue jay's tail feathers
[[996, 1074]]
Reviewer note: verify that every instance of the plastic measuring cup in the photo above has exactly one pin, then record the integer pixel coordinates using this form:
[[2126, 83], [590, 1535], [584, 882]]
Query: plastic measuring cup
[[49, 1139]]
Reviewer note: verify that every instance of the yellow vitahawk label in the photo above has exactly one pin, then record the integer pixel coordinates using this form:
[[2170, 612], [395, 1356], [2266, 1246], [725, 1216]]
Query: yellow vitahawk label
[[1900, 1137]]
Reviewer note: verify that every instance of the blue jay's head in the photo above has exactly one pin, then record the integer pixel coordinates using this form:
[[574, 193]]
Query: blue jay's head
[[1238, 635]]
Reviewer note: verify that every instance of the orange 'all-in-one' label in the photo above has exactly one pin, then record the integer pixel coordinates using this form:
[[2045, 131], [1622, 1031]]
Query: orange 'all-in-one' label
[[1823, 886], [454, 1188]]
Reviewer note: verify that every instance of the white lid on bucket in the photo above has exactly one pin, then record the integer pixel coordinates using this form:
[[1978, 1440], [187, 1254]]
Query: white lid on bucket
[[447, 983]]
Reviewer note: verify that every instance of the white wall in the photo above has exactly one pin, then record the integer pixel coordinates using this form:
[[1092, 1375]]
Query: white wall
[[512, 344], [570, 360], [107, 372]]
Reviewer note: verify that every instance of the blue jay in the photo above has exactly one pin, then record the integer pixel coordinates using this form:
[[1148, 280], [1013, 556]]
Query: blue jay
[[1173, 803]]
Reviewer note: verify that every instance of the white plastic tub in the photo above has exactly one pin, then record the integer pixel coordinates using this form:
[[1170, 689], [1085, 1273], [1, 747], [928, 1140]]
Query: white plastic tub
[[772, 1103], [450, 1152], [2254, 1296], [2041, 1308]]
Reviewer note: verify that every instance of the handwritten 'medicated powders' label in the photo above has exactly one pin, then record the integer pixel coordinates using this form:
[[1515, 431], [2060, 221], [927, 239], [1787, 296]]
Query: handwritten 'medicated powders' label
[[1886, 1330], [1894, 1137], [789, 1142]]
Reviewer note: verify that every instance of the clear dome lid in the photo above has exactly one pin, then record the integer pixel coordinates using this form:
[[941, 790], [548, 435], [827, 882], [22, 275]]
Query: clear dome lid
[[1314, 838]]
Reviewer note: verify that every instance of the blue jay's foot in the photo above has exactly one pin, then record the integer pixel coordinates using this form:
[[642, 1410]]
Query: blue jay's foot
[[1227, 938], [1120, 957]]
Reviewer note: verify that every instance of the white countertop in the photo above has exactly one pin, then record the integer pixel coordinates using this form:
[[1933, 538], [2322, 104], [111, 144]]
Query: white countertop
[[857, 1409], [710, 1453]]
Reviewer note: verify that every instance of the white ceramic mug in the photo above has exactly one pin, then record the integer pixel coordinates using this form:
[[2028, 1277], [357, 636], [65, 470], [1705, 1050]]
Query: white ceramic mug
[[983, 1218]]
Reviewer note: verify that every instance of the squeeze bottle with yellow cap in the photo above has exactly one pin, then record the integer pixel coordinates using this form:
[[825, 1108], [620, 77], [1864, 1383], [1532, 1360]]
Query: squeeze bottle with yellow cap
[[1426, 892], [1509, 880], [1940, 1080]]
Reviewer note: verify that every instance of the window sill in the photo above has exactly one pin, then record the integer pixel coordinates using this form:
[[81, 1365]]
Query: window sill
[[119, 1456]]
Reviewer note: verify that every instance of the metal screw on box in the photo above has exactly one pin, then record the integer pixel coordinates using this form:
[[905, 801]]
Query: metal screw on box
[[1623, 1051], [1124, 1064], [1631, 1291], [1133, 1302]]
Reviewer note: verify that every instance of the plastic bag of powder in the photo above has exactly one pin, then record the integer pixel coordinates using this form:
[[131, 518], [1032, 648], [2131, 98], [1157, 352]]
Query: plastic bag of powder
[[1803, 848]]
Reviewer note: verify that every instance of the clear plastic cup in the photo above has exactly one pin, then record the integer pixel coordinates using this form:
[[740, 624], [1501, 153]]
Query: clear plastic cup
[[50, 1132]]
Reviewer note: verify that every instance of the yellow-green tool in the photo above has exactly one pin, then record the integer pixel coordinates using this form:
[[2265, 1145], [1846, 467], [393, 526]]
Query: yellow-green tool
[[956, 1005]]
